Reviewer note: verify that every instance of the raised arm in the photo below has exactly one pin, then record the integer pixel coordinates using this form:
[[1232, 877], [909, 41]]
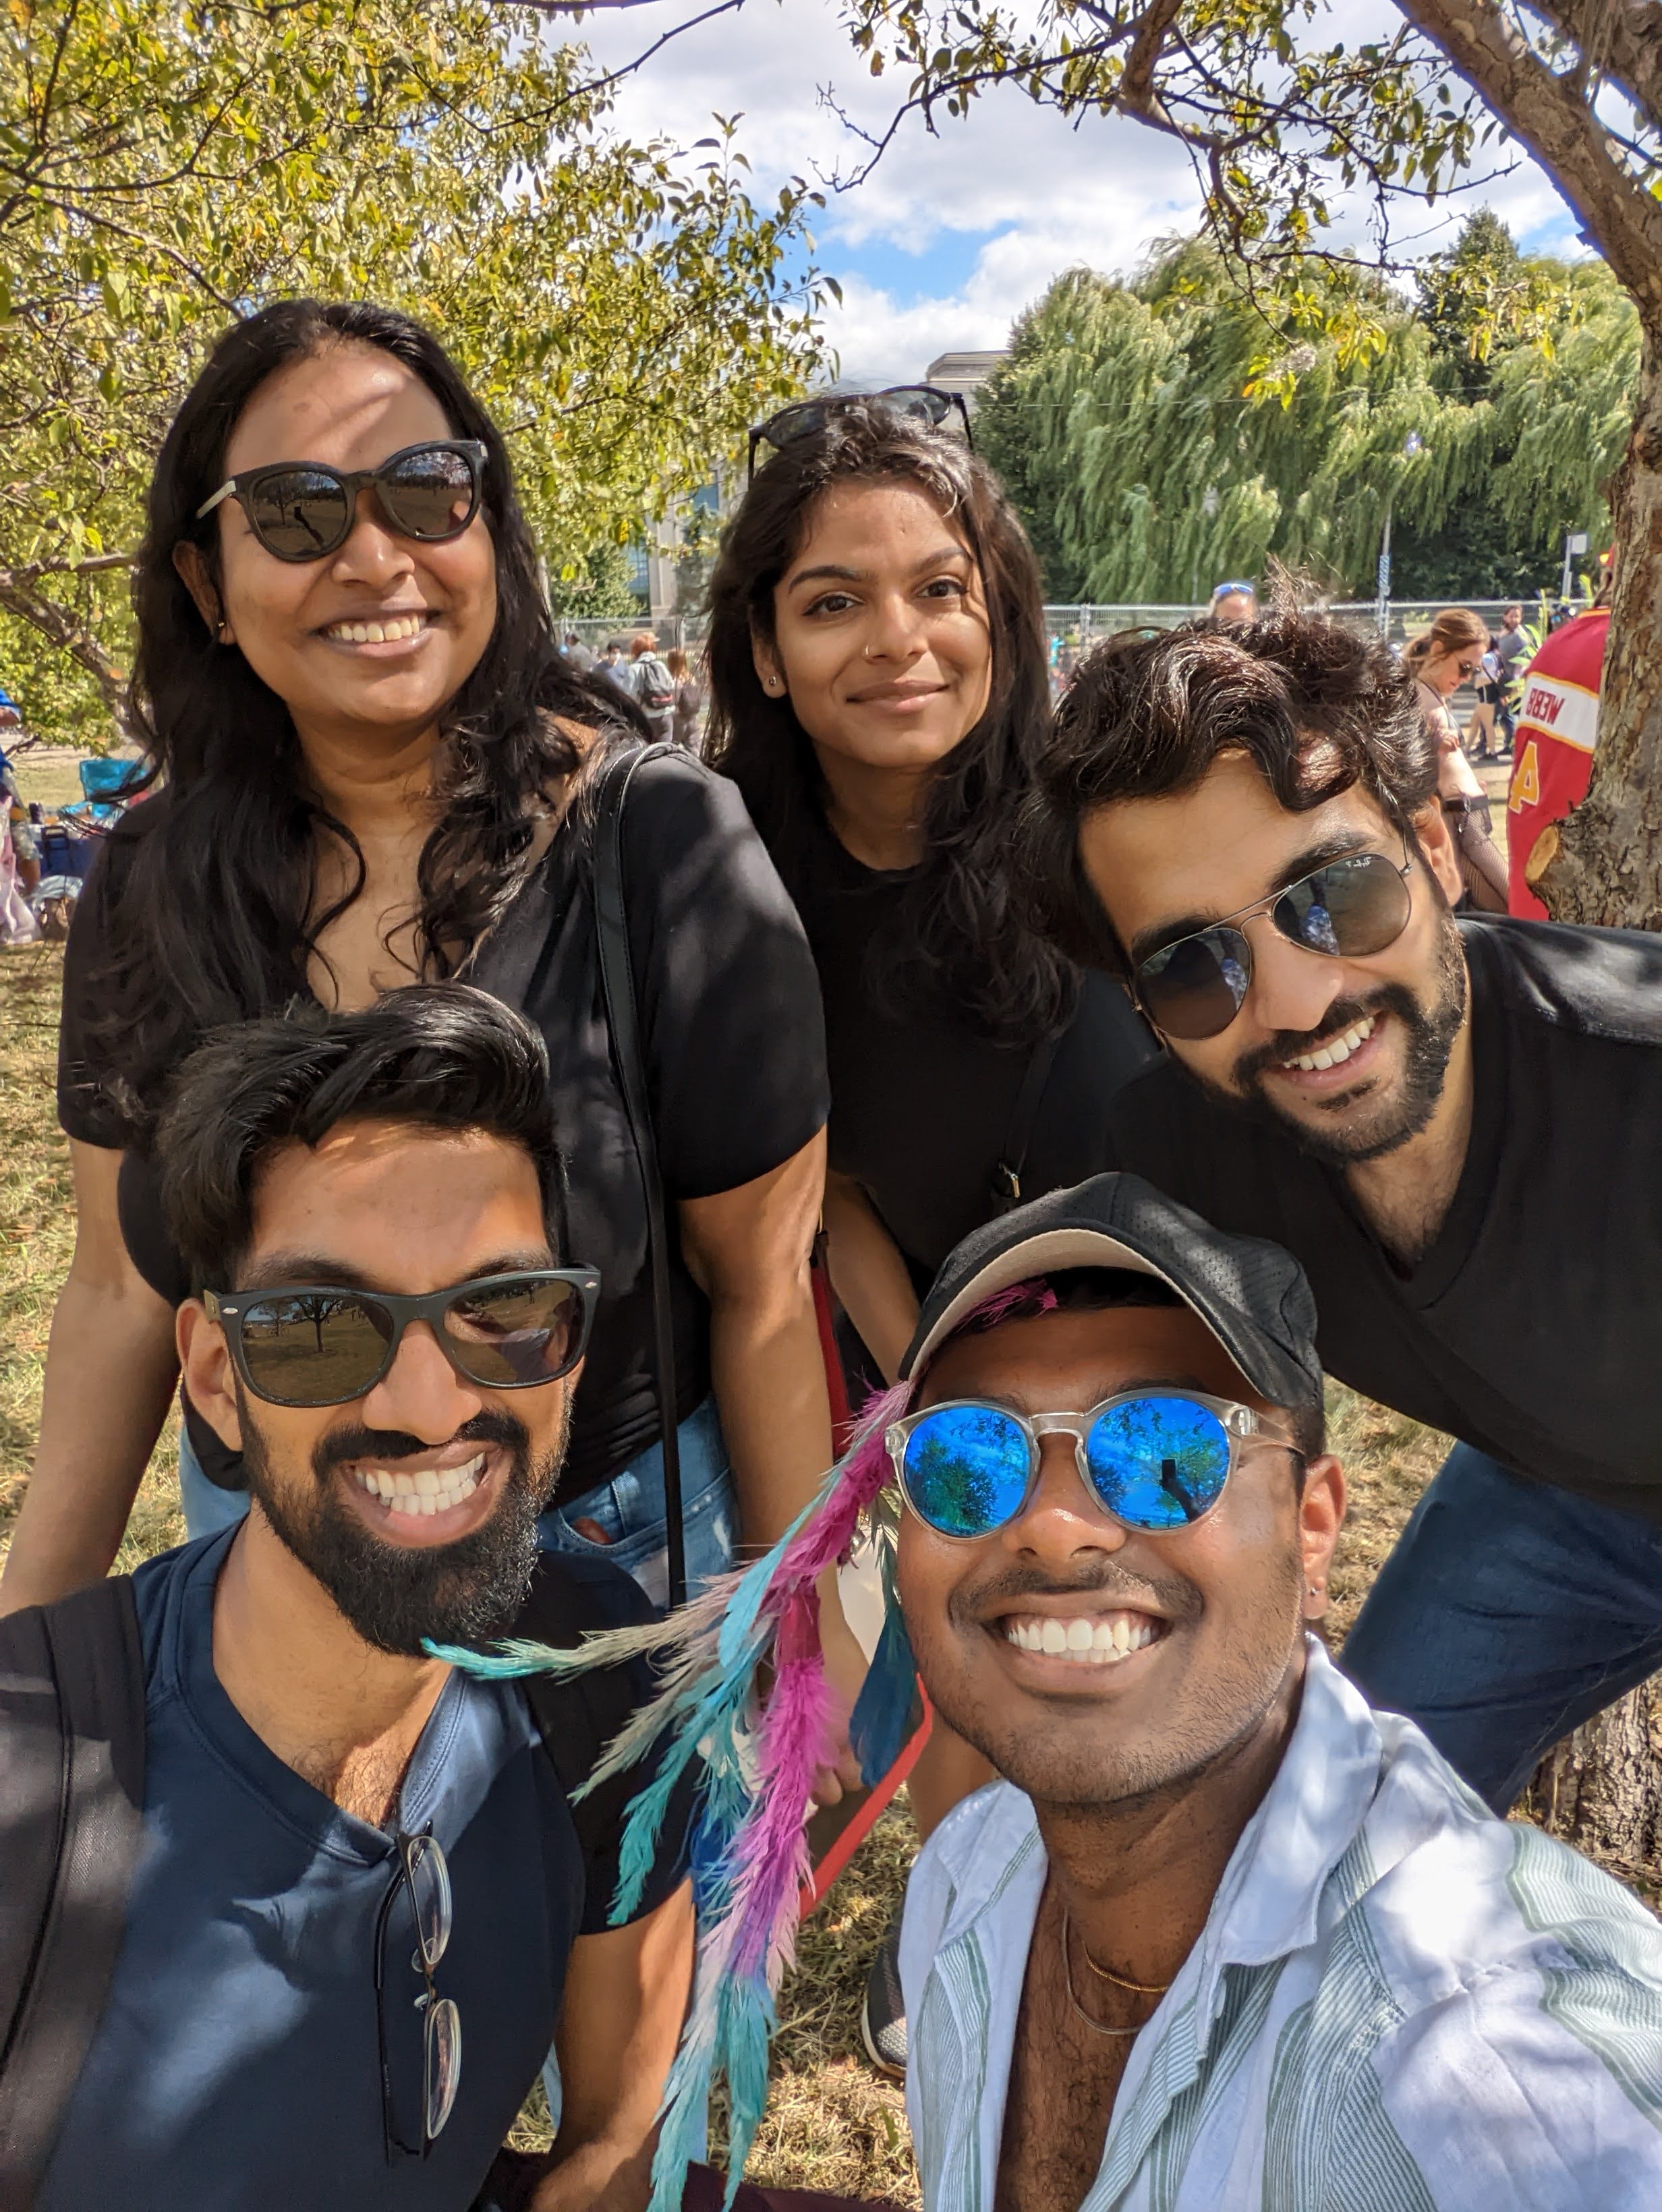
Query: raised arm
[[111, 1371]]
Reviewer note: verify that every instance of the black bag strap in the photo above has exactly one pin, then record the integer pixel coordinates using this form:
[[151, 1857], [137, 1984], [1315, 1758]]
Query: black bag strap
[[617, 982], [71, 1806], [1013, 1160]]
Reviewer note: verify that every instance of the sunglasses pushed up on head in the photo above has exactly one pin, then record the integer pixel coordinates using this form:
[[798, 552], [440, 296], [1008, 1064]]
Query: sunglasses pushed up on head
[[315, 1345], [805, 418], [304, 510], [1347, 908]]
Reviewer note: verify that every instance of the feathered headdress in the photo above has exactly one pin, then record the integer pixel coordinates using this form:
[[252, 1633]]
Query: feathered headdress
[[749, 1846], [756, 1763]]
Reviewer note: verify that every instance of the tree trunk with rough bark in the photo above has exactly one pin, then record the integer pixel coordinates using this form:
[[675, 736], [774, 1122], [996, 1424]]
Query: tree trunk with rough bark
[[1598, 1788]]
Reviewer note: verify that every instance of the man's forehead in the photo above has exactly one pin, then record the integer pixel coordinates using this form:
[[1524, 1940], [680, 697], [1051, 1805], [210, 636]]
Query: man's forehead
[[374, 1184], [1186, 856], [1092, 1350]]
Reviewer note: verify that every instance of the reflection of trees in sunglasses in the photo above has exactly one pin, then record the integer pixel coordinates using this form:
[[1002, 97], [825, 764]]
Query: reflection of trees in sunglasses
[[1160, 1463], [1155, 1462]]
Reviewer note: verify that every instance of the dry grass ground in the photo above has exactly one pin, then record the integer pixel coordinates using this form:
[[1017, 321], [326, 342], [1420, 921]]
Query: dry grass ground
[[832, 2123]]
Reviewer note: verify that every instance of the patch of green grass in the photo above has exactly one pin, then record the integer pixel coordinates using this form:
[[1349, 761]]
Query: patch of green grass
[[37, 1240]]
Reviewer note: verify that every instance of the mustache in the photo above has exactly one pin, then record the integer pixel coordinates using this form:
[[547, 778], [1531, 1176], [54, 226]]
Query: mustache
[[1286, 1044], [1170, 1595], [353, 1440]]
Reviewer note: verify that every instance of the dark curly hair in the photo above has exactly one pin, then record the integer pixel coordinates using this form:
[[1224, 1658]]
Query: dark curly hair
[[1317, 707], [961, 933], [210, 887], [436, 1057]]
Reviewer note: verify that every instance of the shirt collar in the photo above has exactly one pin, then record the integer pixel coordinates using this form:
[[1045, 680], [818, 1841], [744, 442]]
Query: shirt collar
[[1266, 1904]]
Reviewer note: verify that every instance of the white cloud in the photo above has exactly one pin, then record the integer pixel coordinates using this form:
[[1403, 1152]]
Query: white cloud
[[952, 235]]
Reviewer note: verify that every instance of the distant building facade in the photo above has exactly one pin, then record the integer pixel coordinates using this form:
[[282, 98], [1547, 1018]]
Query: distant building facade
[[964, 372]]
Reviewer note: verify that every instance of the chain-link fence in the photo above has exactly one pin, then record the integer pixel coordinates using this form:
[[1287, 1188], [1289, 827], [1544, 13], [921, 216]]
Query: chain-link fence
[[598, 631], [1082, 627]]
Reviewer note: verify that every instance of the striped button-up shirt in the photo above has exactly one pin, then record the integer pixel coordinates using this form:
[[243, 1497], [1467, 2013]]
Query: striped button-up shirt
[[1398, 2003]]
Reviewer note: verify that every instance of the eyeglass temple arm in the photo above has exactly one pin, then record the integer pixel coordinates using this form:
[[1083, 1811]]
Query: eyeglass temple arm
[[224, 492]]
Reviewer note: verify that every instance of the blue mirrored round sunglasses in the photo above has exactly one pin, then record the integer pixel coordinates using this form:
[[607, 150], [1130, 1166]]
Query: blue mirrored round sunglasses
[[1154, 1460]]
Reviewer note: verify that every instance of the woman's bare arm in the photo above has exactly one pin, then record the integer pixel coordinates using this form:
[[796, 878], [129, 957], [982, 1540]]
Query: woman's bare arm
[[111, 1371], [868, 1274], [748, 1250]]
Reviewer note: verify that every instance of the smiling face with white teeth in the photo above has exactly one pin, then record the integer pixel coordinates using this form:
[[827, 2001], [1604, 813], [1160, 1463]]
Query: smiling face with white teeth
[[1092, 1664], [371, 642], [415, 1505], [1354, 1054]]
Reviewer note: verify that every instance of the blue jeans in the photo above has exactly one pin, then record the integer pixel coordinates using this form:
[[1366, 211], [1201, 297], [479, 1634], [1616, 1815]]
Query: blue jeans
[[630, 1509], [1509, 1613]]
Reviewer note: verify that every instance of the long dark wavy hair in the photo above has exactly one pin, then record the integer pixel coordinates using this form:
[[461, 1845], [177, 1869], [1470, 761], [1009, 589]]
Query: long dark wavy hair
[[212, 888], [960, 933]]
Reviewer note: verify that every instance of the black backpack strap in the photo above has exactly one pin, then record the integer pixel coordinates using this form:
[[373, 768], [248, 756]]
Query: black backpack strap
[[617, 982], [71, 1808], [1013, 1160]]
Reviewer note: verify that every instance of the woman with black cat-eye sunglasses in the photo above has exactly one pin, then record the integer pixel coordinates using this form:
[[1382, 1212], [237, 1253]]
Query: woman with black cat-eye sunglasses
[[368, 748]]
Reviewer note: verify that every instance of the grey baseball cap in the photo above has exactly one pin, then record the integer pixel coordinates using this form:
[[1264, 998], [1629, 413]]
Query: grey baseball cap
[[1252, 1295]]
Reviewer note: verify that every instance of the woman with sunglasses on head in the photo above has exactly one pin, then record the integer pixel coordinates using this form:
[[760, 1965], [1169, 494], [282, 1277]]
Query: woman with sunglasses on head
[[1442, 659], [371, 762], [879, 690]]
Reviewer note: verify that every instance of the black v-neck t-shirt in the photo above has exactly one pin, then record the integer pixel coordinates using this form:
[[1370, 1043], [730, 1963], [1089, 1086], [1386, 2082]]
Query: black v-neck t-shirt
[[1532, 1328], [922, 1097], [731, 1032]]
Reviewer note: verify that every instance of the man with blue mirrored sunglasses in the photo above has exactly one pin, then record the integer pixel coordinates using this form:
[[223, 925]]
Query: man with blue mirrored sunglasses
[[1223, 1936]]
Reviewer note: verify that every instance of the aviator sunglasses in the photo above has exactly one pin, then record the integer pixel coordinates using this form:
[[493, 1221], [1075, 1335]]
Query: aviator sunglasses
[[1154, 1460], [1346, 909], [304, 510], [925, 403], [317, 1345]]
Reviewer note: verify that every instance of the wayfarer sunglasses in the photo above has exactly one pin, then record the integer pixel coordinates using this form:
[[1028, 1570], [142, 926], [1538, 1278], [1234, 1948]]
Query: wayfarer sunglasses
[[304, 510], [804, 418], [317, 1345], [1155, 1460], [1347, 908]]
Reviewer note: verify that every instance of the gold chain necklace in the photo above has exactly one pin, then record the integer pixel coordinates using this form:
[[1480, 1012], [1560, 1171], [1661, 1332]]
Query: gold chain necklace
[[1067, 1983], [1141, 1988]]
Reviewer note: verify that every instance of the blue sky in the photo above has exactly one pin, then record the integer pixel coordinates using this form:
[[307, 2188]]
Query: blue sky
[[952, 236]]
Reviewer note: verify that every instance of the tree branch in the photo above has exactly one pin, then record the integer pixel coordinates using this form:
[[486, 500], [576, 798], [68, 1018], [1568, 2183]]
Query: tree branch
[[1545, 112]]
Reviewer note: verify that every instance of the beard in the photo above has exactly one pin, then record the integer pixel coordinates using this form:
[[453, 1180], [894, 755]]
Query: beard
[[1358, 1131], [397, 1595]]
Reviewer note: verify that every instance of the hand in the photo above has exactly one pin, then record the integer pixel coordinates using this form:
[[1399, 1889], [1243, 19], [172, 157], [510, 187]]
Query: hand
[[845, 1671]]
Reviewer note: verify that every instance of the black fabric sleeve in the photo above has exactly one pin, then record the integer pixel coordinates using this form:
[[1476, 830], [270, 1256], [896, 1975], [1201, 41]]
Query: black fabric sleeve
[[576, 1719], [734, 1031]]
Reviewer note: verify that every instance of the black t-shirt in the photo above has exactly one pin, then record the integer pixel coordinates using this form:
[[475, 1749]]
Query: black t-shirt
[[922, 1097], [734, 1041], [1532, 1328]]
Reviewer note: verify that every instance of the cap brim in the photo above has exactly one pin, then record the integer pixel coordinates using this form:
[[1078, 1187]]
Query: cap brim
[[1050, 1252]]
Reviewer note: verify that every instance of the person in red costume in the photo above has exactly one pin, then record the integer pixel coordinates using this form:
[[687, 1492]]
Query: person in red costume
[[1552, 760]]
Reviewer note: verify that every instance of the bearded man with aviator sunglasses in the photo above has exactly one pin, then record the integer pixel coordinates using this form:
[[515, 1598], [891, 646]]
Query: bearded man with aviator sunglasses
[[1455, 1125]]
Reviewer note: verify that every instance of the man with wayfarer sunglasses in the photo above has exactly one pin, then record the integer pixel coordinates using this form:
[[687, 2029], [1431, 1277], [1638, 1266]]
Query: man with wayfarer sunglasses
[[1455, 1125], [355, 1899], [1220, 1936]]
